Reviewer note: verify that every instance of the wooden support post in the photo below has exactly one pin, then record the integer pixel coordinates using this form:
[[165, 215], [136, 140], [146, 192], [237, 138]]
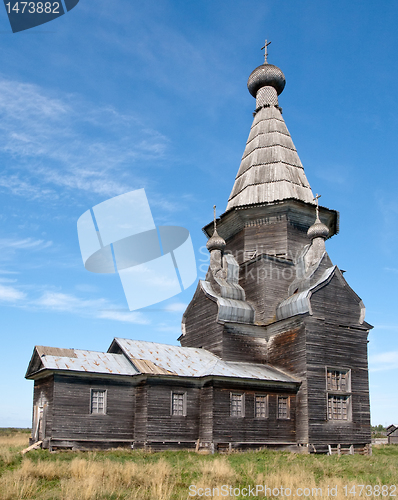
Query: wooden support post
[[33, 446]]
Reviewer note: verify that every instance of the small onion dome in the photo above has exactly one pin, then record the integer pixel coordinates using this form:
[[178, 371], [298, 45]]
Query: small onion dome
[[318, 230], [266, 75], [215, 242]]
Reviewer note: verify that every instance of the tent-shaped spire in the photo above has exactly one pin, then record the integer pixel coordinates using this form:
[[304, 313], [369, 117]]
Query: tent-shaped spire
[[270, 169]]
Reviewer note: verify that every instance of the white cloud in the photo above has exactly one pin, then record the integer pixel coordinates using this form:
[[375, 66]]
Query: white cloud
[[11, 294], [126, 317], [176, 307], [24, 243], [383, 361], [68, 303], [391, 270], [65, 141], [94, 308]]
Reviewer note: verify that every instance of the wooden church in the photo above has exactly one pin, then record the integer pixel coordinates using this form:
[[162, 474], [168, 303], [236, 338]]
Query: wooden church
[[274, 343]]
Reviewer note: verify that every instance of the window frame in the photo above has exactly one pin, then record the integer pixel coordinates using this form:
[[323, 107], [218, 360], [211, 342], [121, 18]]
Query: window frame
[[348, 409], [335, 392], [104, 409], [242, 405], [184, 404], [338, 390], [279, 397], [266, 406]]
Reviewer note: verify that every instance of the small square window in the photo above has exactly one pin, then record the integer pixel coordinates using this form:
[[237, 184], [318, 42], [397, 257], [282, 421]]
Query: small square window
[[98, 402], [338, 407], [237, 408], [261, 406], [178, 403], [283, 407], [338, 380]]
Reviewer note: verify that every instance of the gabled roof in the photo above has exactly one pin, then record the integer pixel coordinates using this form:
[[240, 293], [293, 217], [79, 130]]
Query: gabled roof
[[53, 358], [270, 169], [135, 357], [391, 429], [153, 358]]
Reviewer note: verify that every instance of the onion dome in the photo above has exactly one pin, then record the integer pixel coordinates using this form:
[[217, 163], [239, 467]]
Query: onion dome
[[215, 242], [266, 75], [318, 230]]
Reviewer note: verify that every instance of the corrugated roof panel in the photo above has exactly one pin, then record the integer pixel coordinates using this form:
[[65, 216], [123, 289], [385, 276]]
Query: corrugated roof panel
[[191, 362], [90, 361]]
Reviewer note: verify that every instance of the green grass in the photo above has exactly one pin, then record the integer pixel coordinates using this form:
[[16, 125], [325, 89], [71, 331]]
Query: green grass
[[126, 475]]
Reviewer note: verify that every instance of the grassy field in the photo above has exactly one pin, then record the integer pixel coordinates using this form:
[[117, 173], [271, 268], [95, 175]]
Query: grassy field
[[123, 474]]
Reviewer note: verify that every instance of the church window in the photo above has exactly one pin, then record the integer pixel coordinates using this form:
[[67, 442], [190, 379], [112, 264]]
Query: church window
[[261, 406], [283, 407], [179, 403], [98, 402], [338, 384], [338, 380], [237, 405], [338, 407]]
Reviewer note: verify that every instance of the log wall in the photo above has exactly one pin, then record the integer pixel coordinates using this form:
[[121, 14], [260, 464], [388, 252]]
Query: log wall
[[72, 418]]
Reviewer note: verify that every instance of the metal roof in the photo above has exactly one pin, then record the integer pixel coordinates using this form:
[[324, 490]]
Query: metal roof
[[150, 358], [87, 361], [154, 358]]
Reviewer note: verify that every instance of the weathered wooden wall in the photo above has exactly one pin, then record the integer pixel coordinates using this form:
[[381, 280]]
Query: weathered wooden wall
[[162, 427], [206, 414], [72, 418], [336, 346], [202, 329], [287, 351], [43, 391], [249, 429], [266, 281]]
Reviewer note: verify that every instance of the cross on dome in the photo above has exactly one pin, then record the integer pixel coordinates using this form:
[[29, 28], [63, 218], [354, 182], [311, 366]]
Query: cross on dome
[[317, 196], [265, 51]]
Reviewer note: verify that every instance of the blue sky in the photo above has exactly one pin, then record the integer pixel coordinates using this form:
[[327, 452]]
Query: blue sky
[[116, 96]]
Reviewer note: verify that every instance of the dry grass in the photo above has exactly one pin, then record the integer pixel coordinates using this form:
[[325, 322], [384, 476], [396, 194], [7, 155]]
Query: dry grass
[[10, 444], [127, 475]]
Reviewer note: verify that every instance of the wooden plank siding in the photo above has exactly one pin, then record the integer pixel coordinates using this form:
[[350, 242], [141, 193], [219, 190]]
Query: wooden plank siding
[[206, 415], [201, 326], [287, 351], [249, 429], [242, 347], [334, 346], [72, 417], [266, 281], [162, 426], [43, 394]]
